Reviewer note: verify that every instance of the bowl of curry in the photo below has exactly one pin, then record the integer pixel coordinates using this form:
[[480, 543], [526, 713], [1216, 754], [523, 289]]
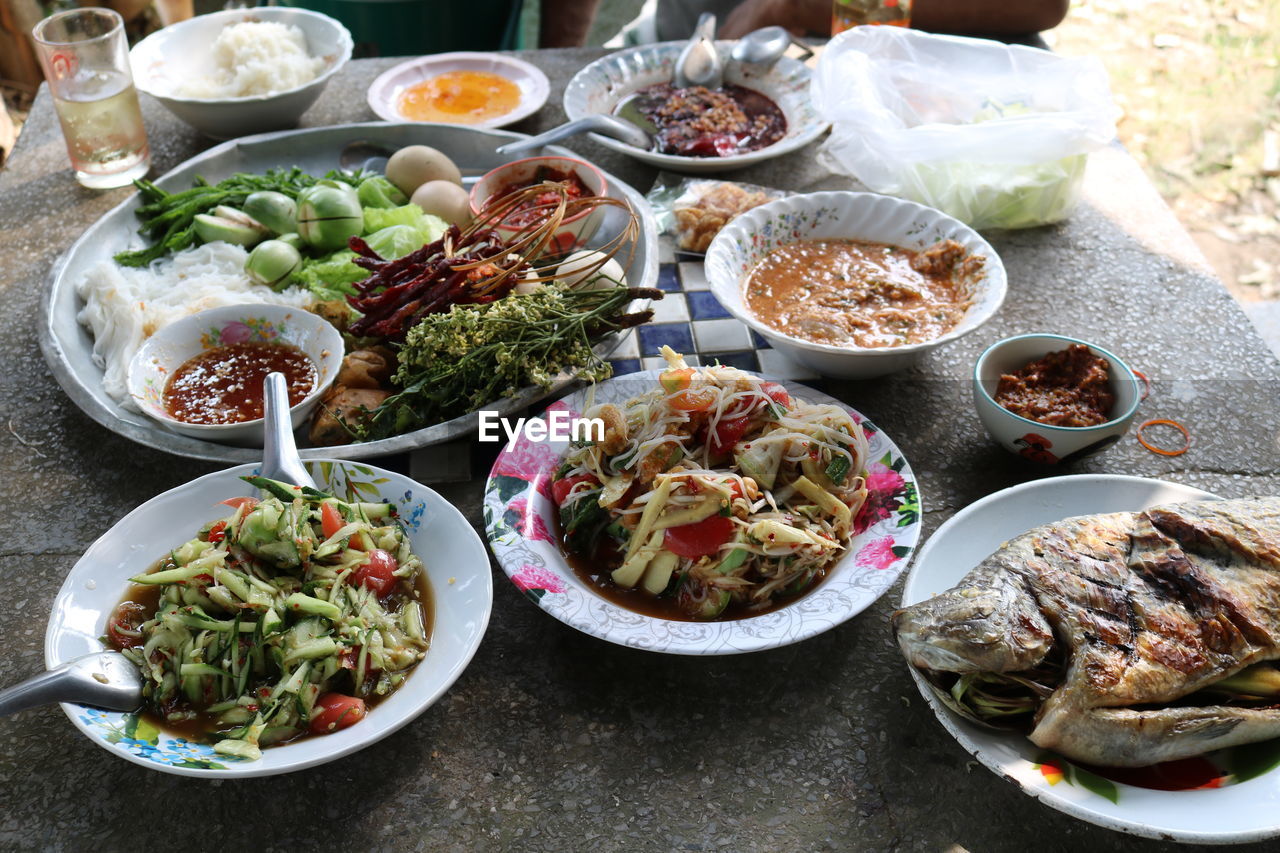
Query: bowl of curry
[[852, 284], [1054, 399]]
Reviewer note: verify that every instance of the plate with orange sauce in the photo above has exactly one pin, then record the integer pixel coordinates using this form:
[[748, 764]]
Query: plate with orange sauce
[[473, 89]]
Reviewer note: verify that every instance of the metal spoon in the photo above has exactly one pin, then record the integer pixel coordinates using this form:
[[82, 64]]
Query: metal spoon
[[699, 63], [605, 125], [104, 680], [280, 460], [361, 154], [761, 48], [109, 679]]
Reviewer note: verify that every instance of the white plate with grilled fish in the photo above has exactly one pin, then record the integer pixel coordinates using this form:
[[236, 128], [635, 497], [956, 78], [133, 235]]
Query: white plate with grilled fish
[[1165, 597]]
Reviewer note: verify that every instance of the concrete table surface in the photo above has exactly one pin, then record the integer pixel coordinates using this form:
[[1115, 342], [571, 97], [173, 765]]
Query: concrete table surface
[[552, 740]]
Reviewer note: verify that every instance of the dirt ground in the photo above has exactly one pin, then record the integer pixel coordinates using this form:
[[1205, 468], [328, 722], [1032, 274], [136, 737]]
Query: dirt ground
[[1199, 83]]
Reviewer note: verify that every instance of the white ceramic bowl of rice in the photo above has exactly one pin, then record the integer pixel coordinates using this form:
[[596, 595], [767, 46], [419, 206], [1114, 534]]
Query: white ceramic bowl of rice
[[227, 79]]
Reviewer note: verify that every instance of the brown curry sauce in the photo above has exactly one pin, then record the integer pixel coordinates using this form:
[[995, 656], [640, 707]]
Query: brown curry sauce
[[859, 294]]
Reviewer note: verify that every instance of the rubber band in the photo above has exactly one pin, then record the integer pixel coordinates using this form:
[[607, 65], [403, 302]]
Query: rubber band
[[1146, 385], [1160, 450]]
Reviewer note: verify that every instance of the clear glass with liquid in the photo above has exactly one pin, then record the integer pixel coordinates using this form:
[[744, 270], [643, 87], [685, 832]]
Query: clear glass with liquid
[[86, 63]]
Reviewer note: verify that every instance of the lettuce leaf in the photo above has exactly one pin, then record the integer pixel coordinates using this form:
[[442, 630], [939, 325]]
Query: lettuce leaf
[[429, 227]]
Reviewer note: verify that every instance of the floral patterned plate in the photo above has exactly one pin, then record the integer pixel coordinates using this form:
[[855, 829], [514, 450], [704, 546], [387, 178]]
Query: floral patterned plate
[[1229, 796], [457, 568], [519, 519]]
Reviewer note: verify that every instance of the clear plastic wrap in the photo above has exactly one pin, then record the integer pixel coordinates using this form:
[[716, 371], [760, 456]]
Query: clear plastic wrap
[[995, 135], [693, 210]]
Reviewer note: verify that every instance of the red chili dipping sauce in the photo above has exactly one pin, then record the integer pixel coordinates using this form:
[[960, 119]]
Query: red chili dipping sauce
[[1069, 388], [533, 210], [223, 385]]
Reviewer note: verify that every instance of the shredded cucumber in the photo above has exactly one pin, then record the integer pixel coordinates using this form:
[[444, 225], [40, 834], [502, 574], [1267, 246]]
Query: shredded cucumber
[[256, 622]]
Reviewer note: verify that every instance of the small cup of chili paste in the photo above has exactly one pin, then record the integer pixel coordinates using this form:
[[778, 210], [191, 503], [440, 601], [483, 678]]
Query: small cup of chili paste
[[1051, 399], [580, 180], [202, 375]]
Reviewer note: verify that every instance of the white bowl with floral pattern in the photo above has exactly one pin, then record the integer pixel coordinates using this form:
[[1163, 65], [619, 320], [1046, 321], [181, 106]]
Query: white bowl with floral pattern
[[519, 519], [602, 85], [870, 217], [453, 556], [172, 346]]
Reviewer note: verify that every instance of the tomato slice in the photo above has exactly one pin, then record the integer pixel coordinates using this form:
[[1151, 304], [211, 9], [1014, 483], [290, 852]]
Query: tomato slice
[[693, 400], [700, 538], [777, 394], [236, 503], [330, 520], [560, 489], [676, 379], [377, 573], [218, 532], [335, 711], [728, 432], [123, 624]]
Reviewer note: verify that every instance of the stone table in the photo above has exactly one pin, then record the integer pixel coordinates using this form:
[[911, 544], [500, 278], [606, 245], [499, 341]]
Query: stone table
[[552, 740]]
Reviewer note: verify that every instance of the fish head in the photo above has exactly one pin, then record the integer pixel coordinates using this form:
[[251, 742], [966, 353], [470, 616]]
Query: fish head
[[991, 626]]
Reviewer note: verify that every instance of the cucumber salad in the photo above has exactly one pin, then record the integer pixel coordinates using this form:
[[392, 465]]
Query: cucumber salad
[[285, 618], [716, 493]]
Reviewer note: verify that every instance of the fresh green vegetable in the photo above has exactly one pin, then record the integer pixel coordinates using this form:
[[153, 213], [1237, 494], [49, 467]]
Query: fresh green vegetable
[[230, 226], [394, 241], [378, 192], [455, 362], [329, 214], [273, 209], [838, 470], [252, 646], [169, 218], [583, 521], [430, 228], [273, 263], [331, 276]]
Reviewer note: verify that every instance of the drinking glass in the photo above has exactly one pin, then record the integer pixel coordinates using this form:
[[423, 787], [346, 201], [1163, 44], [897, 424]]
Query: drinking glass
[[86, 61], [847, 14]]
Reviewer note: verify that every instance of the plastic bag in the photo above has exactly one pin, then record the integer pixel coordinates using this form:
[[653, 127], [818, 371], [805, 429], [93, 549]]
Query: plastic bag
[[693, 210], [995, 135]]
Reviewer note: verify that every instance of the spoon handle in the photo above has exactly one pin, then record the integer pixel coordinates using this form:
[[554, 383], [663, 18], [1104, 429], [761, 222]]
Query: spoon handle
[[599, 123], [106, 680], [280, 459], [804, 48], [51, 686]]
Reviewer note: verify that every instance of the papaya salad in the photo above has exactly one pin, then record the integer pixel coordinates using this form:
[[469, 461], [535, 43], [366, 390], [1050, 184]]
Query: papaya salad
[[285, 618], [715, 495]]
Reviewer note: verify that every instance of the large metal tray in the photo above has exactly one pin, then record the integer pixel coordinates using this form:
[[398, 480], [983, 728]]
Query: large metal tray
[[68, 346]]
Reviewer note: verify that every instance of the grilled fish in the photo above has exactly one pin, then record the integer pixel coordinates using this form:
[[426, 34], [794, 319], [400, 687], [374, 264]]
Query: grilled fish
[[1144, 609]]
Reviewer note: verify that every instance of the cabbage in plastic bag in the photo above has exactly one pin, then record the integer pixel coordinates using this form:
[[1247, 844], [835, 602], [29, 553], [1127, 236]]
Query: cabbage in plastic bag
[[994, 135]]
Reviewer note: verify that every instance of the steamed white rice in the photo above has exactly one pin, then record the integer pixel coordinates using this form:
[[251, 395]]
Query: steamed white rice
[[124, 306], [255, 58]]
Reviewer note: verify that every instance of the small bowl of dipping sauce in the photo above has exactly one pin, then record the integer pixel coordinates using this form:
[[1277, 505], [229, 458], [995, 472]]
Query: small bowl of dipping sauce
[[473, 89], [1054, 399], [202, 376], [579, 178]]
